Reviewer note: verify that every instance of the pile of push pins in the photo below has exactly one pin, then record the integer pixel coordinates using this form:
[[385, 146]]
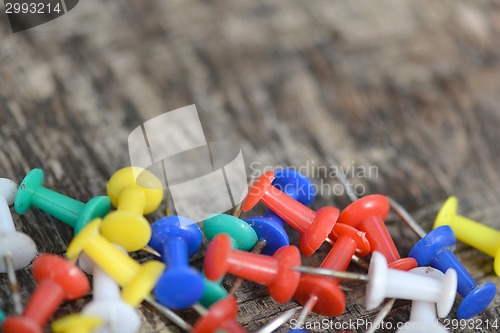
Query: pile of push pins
[[256, 249]]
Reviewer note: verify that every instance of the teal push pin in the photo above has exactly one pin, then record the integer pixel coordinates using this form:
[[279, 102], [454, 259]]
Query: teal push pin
[[243, 238], [72, 212], [2, 318]]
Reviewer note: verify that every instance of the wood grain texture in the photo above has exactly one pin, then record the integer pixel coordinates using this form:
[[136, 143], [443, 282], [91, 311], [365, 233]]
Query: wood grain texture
[[410, 88]]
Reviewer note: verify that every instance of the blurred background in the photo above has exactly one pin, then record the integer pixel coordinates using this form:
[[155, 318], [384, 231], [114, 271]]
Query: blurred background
[[408, 87]]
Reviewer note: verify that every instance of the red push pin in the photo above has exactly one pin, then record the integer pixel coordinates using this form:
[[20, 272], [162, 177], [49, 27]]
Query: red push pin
[[58, 280], [220, 317], [313, 227], [330, 299], [368, 214], [274, 272]]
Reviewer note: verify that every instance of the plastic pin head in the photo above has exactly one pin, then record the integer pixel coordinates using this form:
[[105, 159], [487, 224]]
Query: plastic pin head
[[134, 192], [177, 238]]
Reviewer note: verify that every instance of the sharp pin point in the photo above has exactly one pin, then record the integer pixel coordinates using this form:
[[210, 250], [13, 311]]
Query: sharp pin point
[[169, 314], [381, 315], [278, 322]]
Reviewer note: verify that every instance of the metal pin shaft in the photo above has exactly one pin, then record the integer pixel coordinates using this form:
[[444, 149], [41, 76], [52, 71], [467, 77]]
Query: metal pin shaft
[[202, 311], [169, 314], [406, 217], [278, 322], [381, 315], [331, 273], [150, 250], [306, 310], [14, 285]]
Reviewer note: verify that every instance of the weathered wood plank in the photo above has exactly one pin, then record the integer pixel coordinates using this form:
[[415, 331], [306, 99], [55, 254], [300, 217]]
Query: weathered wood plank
[[411, 89]]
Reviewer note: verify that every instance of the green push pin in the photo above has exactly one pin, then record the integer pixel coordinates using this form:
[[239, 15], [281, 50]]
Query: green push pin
[[74, 213], [243, 238], [212, 292], [241, 233]]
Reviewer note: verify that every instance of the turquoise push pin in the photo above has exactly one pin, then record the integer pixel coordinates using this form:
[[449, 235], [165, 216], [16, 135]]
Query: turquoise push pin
[[72, 212], [243, 238], [2, 317]]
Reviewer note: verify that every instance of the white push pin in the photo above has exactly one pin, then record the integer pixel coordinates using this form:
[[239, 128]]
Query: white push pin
[[107, 303], [423, 317], [384, 282], [16, 248]]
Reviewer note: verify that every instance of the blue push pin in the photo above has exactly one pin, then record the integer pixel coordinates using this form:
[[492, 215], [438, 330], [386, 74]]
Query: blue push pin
[[177, 238], [434, 250], [269, 228]]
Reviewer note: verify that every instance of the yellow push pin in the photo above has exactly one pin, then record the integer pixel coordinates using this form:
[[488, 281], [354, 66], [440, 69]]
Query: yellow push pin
[[136, 280], [76, 323], [134, 192], [475, 234]]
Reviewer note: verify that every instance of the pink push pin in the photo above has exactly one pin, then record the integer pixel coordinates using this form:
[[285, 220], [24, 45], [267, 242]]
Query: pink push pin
[[312, 226], [16, 248], [58, 280], [221, 316]]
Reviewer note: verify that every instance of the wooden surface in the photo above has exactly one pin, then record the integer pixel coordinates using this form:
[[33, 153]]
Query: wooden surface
[[410, 88]]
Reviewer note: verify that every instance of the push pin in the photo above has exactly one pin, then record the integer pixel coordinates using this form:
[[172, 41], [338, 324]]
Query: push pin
[[16, 248], [330, 299], [77, 323], [72, 212], [243, 237], [58, 280], [434, 250], [136, 280], [385, 282], [269, 228], [312, 226], [177, 238], [220, 317], [274, 272], [134, 192], [477, 235], [213, 291], [368, 214], [423, 314], [107, 304]]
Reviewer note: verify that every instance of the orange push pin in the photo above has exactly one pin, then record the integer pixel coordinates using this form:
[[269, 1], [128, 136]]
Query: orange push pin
[[134, 192], [136, 280], [58, 280], [76, 323], [477, 235]]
